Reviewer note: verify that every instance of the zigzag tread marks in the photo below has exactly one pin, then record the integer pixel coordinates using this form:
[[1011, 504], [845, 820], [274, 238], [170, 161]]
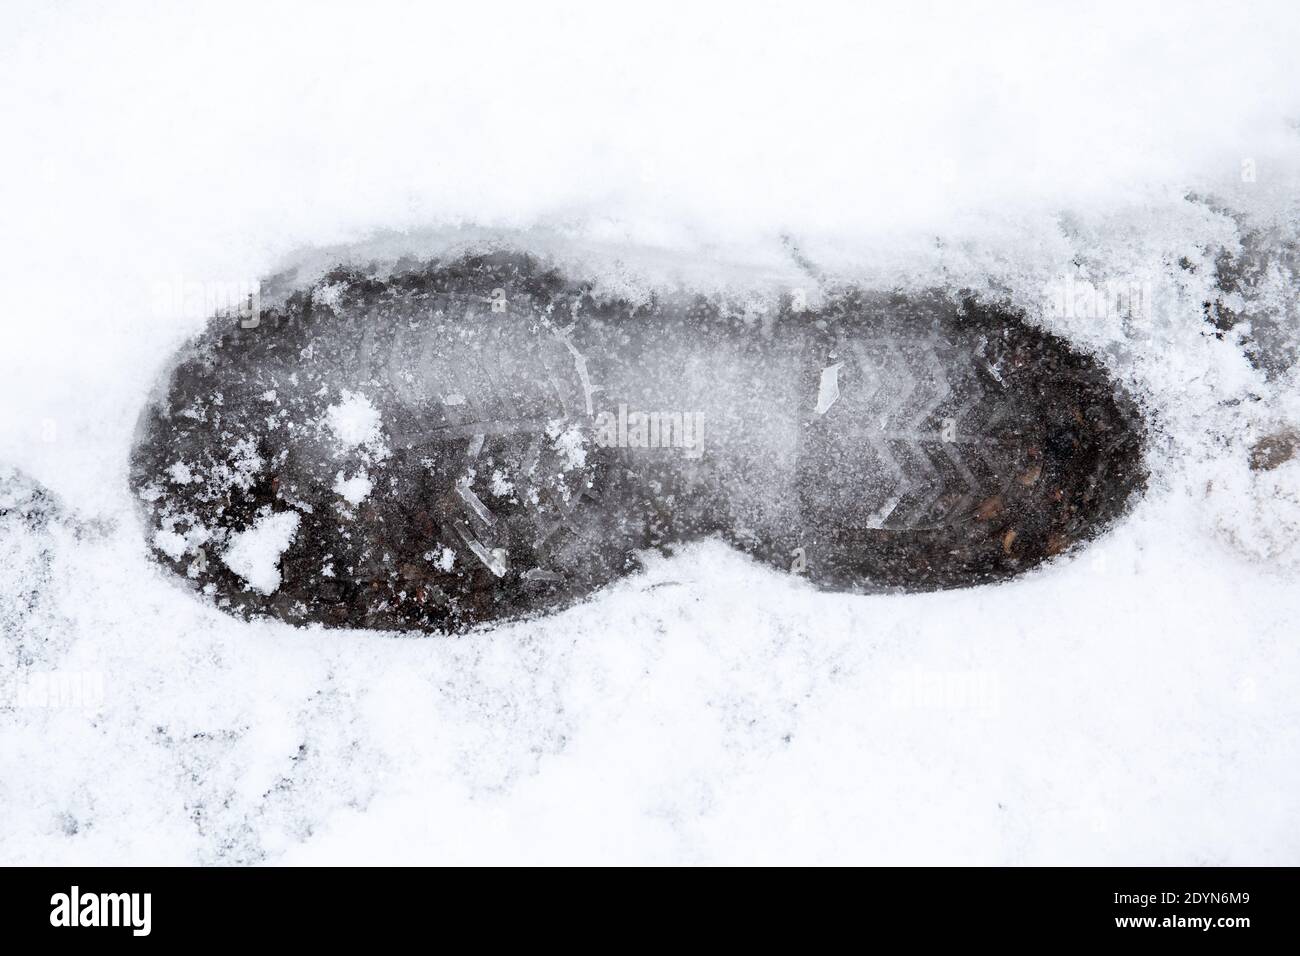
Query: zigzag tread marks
[[937, 467], [476, 383], [512, 396]]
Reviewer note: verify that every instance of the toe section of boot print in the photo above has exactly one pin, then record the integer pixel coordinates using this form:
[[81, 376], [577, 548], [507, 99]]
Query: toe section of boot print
[[950, 445], [432, 445]]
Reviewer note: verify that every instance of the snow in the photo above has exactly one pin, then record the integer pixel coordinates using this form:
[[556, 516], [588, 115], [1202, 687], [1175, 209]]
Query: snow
[[254, 553], [354, 490], [353, 420], [1136, 703], [170, 543], [500, 485], [569, 444]]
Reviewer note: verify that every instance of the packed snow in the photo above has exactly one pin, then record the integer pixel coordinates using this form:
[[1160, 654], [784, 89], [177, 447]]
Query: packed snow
[[254, 553], [1136, 703]]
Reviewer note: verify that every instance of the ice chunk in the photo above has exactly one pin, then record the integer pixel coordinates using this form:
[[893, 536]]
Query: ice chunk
[[828, 390]]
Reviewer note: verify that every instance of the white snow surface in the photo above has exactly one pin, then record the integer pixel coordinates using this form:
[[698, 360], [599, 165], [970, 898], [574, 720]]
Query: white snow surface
[[1136, 703]]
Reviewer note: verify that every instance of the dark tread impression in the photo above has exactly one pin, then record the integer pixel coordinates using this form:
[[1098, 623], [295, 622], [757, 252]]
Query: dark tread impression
[[434, 445]]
